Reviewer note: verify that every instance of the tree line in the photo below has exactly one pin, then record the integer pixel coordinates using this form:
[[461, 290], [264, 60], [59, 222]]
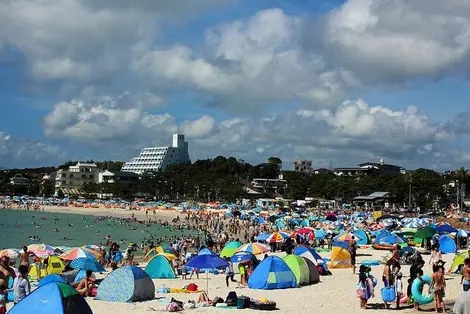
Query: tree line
[[223, 179]]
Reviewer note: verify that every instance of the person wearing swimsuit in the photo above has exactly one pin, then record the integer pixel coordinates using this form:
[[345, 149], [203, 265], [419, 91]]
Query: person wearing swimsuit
[[465, 281], [439, 283]]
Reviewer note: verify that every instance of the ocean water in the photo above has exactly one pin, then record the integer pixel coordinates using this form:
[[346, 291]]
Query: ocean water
[[72, 230]]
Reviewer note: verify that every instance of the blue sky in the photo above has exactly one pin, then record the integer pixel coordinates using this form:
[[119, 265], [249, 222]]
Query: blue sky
[[327, 80]]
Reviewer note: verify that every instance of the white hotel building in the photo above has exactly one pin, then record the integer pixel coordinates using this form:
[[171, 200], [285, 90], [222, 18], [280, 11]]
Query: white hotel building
[[159, 158]]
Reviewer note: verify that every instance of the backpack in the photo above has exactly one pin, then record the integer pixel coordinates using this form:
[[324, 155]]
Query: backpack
[[231, 299]]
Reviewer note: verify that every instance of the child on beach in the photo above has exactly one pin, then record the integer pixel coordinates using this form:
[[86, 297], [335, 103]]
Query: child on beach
[[399, 288], [439, 283]]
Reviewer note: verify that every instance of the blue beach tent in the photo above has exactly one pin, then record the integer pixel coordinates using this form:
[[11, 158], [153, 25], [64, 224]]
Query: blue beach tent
[[310, 254], [51, 278], [126, 284], [53, 298], [447, 244], [361, 237], [160, 267], [206, 251], [272, 273]]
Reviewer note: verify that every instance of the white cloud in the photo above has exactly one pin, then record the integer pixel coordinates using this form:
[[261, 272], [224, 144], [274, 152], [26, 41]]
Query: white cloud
[[394, 41], [15, 150], [354, 129], [250, 64], [85, 40]]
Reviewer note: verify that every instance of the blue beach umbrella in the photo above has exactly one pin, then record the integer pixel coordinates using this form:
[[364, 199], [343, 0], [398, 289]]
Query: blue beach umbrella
[[87, 264], [207, 263]]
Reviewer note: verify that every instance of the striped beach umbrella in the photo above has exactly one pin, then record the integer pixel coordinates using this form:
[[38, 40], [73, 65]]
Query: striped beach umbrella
[[230, 249], [279, 236], [87, 264], [79, 252], [254, 248]]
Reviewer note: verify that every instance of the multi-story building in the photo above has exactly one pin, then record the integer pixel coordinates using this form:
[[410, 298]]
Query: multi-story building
[[369, 168], [159, 158], [303, 166], [71, 179], [19, 180], [383, 167], [117, 176]]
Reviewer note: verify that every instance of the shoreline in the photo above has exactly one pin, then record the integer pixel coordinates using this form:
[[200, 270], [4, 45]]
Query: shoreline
[[164, 215]]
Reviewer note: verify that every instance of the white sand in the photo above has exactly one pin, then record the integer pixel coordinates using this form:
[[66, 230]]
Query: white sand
[[334, 294]]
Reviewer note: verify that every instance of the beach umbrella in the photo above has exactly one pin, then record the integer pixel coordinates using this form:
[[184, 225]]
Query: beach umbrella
[[92, 247], [304, 230], [87, 264], [11, 253], [445, 229], [41, 247], [254, 248], [320, 233], [262, 237], [241, 257], [279, 236], [347, 237], [230, 249], [208, 263], [425, 232], [460, 233], [75, 253]]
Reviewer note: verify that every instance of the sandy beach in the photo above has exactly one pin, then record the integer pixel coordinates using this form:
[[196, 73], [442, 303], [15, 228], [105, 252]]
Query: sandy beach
[[334, 294]]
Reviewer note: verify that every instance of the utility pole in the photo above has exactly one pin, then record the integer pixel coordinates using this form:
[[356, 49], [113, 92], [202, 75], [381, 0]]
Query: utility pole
[[409, 196]]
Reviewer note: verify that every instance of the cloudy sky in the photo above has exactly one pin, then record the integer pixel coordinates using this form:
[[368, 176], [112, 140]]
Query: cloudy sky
[[327, 80]]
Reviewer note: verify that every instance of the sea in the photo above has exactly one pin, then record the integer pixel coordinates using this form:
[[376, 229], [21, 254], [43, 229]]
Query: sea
[[71, 230]]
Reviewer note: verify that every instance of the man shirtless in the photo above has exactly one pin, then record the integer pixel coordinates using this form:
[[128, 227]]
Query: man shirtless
[[6, 272], [466, 275], [24, 257]]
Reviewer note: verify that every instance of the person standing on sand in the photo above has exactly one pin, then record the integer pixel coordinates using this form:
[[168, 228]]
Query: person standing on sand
[[229, 272], [436, 256], [21, 285], [439, 283], [352, 252], [466, 275]]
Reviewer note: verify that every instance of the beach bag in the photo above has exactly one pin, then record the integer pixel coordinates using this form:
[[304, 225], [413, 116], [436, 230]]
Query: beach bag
[[231, 299], [360, 291], [388, 294], [192, 287], [243, 302]]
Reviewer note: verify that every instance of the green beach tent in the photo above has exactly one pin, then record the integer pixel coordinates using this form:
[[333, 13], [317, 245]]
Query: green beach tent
[[299, 267], [230, 249]]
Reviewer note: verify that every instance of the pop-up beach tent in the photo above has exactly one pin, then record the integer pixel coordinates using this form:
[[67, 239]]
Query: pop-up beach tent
[[309, 253], [53, 298], [299, 267], [126, 284], [340, 256], [272, 273], [54, 266], [447, 244], [314, 275], [160, 267]]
